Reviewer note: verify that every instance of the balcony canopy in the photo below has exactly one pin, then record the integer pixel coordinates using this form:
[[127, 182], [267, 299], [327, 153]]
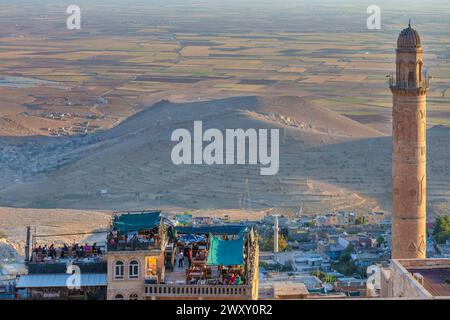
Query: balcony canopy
[[127, 222], [225, 252], [61, 280]]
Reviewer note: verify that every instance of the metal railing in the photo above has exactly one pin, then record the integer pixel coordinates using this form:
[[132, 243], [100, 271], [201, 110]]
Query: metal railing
[[405, 84], [176, 290], [133, 246]]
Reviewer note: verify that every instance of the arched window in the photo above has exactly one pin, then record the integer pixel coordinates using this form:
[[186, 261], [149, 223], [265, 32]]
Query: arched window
[[401, 73], [134, 296], [118, 297], [133, 269], [411, 79], [119, 270], [420, 70]]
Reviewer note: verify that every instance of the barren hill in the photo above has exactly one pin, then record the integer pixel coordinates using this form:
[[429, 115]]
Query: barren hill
[[282, 111], [327, 162]]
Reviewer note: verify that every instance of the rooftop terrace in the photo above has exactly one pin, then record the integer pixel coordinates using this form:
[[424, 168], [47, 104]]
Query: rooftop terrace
[[132, 231], [209, 262], [427, 276]]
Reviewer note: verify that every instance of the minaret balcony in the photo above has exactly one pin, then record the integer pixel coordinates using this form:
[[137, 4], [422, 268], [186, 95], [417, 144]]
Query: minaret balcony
[[420, 87]]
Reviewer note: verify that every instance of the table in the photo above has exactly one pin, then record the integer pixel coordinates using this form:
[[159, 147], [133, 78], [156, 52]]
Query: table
[[199, 263]]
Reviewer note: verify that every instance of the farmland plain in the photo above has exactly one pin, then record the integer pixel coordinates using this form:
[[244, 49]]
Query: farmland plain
[[67, 98]]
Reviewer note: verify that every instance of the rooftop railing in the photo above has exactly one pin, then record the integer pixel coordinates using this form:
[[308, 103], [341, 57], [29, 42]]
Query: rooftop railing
[[134, 246], [60, 266], [197, 291]]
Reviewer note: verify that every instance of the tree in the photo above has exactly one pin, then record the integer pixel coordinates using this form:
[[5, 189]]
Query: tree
[[359, 220], [267, 244], [323, 276], [329, 278], [284, 232], [345, 264], [362, 272], [350, 249], [441, 231], [311, 224], [380, 241], [278, 266], [442, 237], [319, 274], [282, 243]]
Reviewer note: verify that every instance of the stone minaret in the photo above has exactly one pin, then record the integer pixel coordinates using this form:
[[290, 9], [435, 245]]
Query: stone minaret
[[409, 88]]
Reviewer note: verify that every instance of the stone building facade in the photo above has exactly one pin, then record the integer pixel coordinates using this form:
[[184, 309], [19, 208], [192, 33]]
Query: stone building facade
[[129, 284]]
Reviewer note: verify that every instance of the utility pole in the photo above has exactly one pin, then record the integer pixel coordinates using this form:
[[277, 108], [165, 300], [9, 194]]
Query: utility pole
[[275, 234]]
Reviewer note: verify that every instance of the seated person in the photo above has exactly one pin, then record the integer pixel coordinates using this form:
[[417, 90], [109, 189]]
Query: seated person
[[232, 279], [58, 252], [80, 252]]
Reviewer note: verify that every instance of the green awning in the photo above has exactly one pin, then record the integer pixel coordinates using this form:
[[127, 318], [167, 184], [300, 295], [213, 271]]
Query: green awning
[[136, 221], [225, 252]]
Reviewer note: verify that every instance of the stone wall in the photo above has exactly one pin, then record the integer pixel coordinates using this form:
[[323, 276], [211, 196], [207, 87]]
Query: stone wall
[[398, 282]]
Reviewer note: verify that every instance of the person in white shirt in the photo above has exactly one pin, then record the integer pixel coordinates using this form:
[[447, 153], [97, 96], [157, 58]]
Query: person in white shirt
[[180, 259]]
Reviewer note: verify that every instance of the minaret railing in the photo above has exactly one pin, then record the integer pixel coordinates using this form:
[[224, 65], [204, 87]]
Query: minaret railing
[[404, 84]]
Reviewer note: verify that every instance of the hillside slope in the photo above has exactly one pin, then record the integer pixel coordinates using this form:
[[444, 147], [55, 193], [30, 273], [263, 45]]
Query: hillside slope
[[327, 161]]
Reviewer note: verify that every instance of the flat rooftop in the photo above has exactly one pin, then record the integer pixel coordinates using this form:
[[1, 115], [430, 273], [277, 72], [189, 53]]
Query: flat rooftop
[[285, 289], [434, 280], [435, 271]]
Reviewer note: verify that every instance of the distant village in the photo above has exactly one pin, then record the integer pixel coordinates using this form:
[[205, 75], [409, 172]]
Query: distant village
[[332, 255]]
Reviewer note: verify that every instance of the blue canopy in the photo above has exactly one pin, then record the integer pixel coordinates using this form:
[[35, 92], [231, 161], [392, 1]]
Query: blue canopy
[[60, 280], [225, 252], [191, 238], [136, 221]]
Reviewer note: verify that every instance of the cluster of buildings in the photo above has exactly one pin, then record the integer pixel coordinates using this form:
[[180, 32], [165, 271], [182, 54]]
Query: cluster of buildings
[[316, 248], [140, 259], [146, 256]]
